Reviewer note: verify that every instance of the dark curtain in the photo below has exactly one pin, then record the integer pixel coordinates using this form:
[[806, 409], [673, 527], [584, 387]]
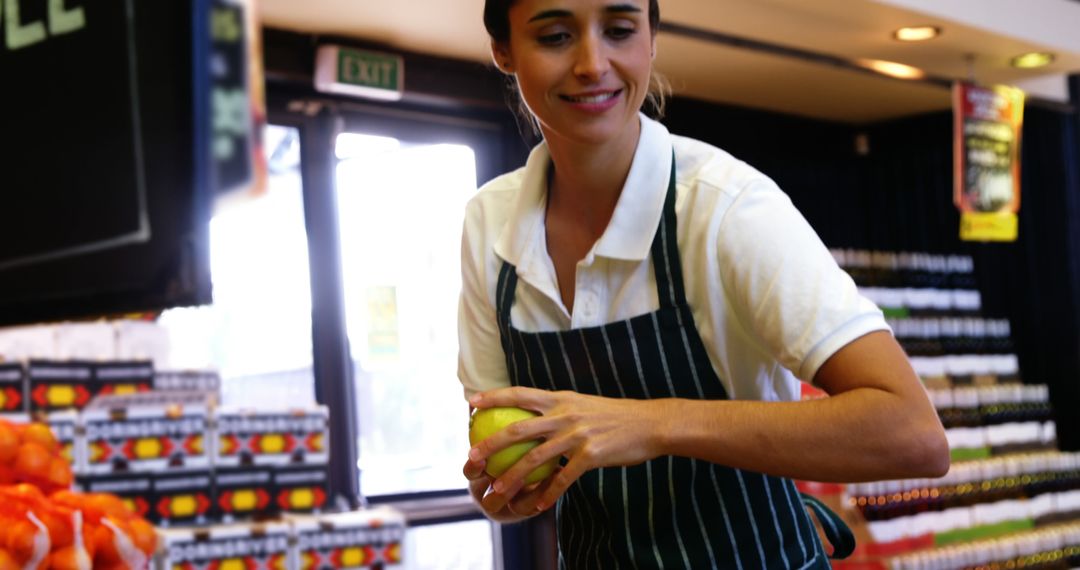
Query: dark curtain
[[899, 197]]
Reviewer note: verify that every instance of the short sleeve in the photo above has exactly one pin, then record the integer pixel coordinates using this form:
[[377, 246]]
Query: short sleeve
[[481, 363], [784, 284]]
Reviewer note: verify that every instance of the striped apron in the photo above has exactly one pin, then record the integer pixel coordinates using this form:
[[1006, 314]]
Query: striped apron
[[670, 512]]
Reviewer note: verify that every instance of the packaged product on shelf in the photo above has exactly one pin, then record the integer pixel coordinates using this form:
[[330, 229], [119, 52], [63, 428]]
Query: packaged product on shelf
[[123, 377], [181, 497], [59, 385], [207, 381], [272, 437], [12, 388], [226, 546], [300, 489], [359, 539], [147, 431], [243, 492]]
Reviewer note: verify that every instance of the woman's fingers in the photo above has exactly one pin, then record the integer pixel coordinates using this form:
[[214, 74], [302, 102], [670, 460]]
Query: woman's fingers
[[474, 469], [559, 483], [515, 396]]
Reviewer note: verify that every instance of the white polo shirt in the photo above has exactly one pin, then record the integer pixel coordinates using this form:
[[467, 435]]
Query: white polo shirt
[[768, 299]]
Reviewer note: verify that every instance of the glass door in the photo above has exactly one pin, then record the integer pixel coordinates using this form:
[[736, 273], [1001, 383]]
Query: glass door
[[402, 186]]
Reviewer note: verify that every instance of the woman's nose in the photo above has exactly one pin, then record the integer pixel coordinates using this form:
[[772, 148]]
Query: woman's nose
[[592, 62]]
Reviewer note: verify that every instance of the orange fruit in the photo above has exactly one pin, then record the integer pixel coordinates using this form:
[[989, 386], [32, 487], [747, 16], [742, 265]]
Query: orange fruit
[[61, 529], [41, 433], [59, 473], [101, 539], [109, 505], [19, 540], [27, 492], [32, 460], [9, 443], [7, 562], [143, 535], [66, 558]]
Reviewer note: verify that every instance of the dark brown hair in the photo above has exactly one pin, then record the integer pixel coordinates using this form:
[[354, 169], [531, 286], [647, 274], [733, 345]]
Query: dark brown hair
[[497, 18], [497, 22]]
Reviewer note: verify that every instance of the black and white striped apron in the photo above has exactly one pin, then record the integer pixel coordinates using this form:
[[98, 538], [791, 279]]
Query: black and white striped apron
[[670, 512]]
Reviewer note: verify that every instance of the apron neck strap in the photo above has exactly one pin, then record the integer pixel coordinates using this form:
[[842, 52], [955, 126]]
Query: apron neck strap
[[665, 251]]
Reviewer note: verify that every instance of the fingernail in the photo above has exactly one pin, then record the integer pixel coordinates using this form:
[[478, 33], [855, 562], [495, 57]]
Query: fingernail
[[540, 507], [475, 399], [474, 454], [498, 486]]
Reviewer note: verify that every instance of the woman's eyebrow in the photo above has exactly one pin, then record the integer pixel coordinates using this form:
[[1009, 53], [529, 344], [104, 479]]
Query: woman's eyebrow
[[554, 14]]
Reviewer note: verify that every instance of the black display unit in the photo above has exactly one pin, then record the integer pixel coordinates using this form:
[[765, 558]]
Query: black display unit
[[105, 170]]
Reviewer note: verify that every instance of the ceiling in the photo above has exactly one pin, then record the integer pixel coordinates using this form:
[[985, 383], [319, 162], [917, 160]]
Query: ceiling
[[979, 39]]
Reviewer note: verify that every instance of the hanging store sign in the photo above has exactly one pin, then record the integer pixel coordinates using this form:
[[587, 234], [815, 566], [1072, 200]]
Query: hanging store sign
[[360, 73], [238, 104], [987, 160]]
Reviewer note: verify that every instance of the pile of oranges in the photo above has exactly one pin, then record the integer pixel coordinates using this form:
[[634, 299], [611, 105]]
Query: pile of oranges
[[44, 525], [29, 453]]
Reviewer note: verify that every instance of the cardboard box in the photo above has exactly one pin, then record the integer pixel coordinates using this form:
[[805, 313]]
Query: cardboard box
[[13, 395], [188, 381], [148, 431], [272, 437], [370, 538], [249, 547], [181, 497], [301, 489], [59, 385], [243, 493], [123, 377]]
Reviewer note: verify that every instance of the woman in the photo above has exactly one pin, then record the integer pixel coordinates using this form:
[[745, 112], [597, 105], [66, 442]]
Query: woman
[[654, 298]]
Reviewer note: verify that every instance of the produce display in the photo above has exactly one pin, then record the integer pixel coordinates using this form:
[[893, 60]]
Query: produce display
[[113, 465], [46, 525]]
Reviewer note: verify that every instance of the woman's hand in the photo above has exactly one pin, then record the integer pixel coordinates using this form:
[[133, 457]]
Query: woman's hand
[[590, 431], [495, 506]]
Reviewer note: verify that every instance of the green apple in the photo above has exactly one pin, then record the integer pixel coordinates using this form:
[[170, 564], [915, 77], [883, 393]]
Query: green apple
[[488, 421]]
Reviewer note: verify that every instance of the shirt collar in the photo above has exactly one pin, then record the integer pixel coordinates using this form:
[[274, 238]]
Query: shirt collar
[[630, 232]]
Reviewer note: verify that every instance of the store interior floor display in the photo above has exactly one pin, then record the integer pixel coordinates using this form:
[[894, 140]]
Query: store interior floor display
[[1011, 498], [113, 464]]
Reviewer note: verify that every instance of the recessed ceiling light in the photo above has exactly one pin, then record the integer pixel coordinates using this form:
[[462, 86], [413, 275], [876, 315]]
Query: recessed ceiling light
[[1033, 59], [917, 33], [893, 69]]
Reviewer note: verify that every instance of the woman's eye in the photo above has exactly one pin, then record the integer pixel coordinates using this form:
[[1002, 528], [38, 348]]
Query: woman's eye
[[554, 38], [620, 32]]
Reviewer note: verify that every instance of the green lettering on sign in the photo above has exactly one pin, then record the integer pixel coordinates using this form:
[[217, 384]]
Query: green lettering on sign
[[370, 70]]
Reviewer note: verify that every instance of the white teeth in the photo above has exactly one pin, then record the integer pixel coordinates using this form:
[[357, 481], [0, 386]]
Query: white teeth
[[592, 98]]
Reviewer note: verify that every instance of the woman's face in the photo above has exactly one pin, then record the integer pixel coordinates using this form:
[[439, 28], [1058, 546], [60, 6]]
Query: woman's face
[[582, 66]]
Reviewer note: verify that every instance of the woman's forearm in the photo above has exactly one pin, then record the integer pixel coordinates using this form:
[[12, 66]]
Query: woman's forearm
[[865, 434]]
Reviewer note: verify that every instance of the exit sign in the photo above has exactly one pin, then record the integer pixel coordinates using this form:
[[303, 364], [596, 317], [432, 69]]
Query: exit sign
[[362, 73]]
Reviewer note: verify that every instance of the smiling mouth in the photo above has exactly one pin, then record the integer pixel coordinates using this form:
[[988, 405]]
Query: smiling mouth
[[591, 99]]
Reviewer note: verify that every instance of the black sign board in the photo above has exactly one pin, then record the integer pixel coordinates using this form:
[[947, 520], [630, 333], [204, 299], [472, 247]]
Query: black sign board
[[105, 173], [76, 116]]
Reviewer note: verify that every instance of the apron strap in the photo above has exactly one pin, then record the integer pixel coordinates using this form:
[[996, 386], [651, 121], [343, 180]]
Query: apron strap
[[666, 261], [836, 530]]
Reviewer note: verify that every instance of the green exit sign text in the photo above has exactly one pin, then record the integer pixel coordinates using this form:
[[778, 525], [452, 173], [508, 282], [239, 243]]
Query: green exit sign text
[[358, 72]]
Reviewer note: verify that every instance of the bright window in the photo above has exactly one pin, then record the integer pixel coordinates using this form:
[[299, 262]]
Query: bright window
[[257, 332], [401, 212]]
